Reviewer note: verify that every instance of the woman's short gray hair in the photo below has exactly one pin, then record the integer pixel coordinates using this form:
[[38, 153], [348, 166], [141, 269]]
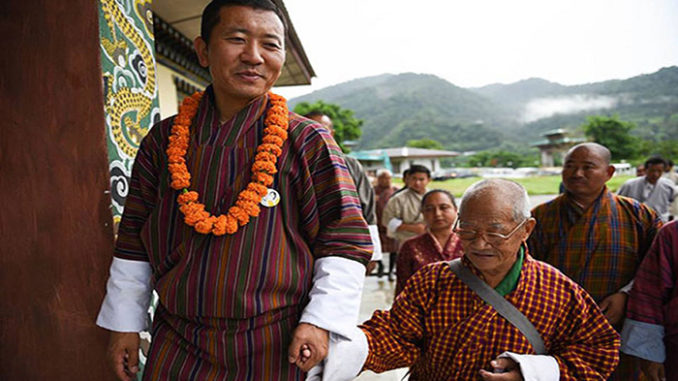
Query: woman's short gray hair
[[516, 192]]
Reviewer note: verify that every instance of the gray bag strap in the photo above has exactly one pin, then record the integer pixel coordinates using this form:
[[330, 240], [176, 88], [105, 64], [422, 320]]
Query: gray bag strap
[[500, 304]]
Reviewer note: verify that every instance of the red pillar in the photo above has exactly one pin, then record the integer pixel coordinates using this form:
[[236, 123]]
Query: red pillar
[[55, 222]]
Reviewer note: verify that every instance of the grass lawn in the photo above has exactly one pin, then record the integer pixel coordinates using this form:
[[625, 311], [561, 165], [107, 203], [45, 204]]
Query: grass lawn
[[535, 185]]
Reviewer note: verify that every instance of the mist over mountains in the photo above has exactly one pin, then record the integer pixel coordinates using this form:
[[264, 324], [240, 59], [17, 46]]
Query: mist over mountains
[[398, 108]]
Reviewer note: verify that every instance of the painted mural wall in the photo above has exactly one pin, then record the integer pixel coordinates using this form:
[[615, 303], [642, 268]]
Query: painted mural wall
[[130, 87]]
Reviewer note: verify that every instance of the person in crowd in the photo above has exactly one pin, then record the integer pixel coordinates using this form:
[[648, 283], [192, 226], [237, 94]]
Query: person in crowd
[[652, 189], [406, 174], [593, 236], [243, 218], [439, 243], [640, 170], [672, 175], [651, 327], [383, 191], [442, 329], [402, 216], [364, 188]]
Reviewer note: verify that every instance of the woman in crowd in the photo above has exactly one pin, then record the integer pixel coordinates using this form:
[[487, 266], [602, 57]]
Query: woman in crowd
[[439, 243]]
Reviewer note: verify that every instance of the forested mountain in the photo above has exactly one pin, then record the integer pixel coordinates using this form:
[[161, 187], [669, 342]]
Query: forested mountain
[[398, 108]]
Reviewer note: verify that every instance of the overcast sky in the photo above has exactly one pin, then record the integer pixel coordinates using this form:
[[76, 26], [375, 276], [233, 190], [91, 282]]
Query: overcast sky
[[478, 42]]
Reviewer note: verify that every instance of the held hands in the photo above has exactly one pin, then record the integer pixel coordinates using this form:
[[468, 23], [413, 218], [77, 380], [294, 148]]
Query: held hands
[[123, 354], [308, 347], [654, 371], [614, 307], [505, 369]]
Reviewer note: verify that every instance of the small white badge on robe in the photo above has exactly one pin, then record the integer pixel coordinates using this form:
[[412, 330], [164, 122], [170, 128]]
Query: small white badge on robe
[[271, 199]]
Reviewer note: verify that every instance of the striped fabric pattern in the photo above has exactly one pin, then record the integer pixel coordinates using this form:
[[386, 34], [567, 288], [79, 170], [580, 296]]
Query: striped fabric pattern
[[445, 331], [263, 270], [599, 248]]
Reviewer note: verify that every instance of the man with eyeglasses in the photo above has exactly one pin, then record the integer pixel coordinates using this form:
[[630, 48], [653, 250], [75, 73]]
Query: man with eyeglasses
[[440, 328], [595, 237]]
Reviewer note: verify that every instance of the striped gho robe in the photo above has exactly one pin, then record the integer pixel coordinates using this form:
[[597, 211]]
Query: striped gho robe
[[600, 248], [229, 304], [444, 331], [651, 327]]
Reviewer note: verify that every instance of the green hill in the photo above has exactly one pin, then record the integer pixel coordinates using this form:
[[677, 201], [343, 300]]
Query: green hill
[[398, 108]]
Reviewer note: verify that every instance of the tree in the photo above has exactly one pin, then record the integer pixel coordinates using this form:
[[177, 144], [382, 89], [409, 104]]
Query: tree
[[500, 159], [424, 143], [346, 126], [613, 134], [668, 149]]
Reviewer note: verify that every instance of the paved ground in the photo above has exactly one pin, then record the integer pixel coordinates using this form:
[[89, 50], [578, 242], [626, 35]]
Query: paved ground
[[378, 294]]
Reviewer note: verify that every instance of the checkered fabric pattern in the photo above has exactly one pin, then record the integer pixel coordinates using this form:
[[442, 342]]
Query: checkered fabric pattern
[[599, 248], [444, 331]]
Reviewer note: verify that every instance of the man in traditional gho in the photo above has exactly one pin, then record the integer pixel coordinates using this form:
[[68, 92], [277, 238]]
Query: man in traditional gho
[[653, 190], [594, 236], [243, 218], [651, 327], [442, 329], [402, 216]]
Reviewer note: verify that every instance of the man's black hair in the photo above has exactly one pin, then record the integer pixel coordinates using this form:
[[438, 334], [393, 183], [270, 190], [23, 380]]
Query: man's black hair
[[210, 15], [416, 168], [314, 113], [653, 160]]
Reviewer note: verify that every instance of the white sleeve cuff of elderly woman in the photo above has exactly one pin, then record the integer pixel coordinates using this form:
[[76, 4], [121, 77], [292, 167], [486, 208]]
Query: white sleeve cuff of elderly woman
[[536, 367]]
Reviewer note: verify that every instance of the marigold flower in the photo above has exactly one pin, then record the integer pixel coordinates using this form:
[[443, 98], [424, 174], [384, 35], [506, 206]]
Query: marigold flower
[[248, 206], [272, 139], [258, 189], [264, 166], [263, 178], [272, 148], [266, 156], [239, 214], [277, 131], [187, 197], [193, 218], [249, 196], [205, 226]]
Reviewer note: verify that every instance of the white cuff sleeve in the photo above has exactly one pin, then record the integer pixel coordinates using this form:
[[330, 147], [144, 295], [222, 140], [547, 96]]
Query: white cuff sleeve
[[626, 289], [335, 295], [128, 295], [536, 367], [345, 358], [643, 340], [376, 243], [393, 226]]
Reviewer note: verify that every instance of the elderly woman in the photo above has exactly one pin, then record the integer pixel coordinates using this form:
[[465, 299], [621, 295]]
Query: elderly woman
[[441, 328], [439, 243]]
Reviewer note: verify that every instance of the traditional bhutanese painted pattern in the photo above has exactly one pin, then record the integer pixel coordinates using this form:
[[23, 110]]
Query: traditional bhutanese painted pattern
[[421, 250], [130, 90], [599, 248], [654, 297], [265, 269], [445, 331]]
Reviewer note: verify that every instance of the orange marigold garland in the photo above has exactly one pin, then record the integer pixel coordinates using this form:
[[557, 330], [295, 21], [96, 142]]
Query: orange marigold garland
[[247, 202]]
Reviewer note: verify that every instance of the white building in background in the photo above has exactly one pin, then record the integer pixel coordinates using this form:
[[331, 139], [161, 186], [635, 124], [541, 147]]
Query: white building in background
[[401, 158]]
